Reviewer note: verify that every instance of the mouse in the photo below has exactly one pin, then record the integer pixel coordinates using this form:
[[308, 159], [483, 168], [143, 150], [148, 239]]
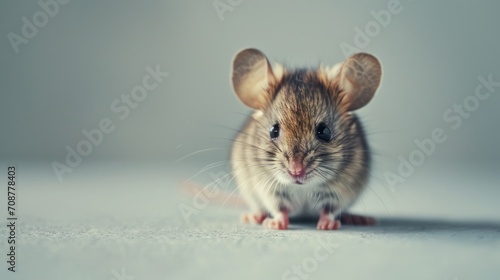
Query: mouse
[[303, 151]]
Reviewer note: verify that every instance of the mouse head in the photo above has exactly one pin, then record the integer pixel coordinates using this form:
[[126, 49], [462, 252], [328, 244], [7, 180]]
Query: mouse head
[[306, 131]]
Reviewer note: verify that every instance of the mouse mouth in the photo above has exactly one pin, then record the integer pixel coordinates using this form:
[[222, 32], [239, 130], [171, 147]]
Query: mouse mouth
[[299, 179], [297, 171]]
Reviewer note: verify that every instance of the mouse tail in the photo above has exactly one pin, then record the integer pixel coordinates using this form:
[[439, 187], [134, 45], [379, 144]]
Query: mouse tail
[[219, 197]]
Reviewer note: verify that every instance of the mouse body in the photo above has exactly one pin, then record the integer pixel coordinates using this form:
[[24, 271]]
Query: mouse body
[[303, 152]]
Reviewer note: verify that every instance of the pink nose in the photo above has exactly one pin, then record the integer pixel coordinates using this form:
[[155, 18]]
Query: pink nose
[[296, 169]]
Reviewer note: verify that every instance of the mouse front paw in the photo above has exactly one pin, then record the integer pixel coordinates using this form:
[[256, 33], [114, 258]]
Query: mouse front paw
[[253, 218], [328, 225], [280, 221], [328, 222]]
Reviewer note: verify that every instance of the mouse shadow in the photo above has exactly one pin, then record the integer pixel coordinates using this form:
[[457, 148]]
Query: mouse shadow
[[406, 224]]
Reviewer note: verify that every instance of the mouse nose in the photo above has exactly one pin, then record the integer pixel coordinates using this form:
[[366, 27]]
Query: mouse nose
[[296, 169]]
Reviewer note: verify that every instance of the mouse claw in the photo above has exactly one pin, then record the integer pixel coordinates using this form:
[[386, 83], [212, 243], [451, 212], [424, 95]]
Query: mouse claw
[[328, 222], [253, 218], [328, 225], [279, 222]]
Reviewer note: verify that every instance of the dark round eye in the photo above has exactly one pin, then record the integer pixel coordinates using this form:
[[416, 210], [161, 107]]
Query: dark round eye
[[275, 131], [323, 132]]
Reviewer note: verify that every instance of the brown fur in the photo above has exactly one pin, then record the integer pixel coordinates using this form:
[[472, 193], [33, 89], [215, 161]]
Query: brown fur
[[337, 170], [300, 101]]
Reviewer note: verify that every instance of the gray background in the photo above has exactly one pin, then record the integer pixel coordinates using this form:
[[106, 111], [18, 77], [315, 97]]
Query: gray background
[[120, 208], [92, 52]]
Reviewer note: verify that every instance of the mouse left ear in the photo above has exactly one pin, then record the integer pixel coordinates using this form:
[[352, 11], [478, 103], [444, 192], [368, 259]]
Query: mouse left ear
[[359, 77]]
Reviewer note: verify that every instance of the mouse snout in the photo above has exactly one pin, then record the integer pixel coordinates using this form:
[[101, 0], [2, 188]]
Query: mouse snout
[[296, 168], [297, 171]]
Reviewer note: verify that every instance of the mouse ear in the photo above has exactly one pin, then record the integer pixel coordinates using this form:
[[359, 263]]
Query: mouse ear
[[359, 77], [252, 76]]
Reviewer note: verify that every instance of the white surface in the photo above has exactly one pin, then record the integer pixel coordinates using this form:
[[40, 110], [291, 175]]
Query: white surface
[[442, 223]]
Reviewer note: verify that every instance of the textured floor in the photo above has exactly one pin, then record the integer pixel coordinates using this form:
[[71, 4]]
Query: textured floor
[[123, 221]]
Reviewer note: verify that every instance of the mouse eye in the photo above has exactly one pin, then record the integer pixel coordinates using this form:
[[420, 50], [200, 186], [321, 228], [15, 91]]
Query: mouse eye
[[323, 132], [275, 131]]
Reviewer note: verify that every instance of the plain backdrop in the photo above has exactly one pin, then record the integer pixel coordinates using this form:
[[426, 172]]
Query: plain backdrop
[[65, 78], [119, 209]]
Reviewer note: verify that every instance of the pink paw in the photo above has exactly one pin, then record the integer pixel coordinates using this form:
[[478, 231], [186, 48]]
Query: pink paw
[[328, 222], [278, 222], [253, 218], [325, 224]]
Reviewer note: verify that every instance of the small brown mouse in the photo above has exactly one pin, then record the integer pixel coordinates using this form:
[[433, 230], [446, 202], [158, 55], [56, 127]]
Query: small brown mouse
[[303, 152]]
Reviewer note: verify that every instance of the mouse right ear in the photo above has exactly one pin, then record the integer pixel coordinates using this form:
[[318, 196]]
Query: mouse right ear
[[252, 76]]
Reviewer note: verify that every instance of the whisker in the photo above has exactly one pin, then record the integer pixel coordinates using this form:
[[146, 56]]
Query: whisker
[[197, 152], [208, 167]]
